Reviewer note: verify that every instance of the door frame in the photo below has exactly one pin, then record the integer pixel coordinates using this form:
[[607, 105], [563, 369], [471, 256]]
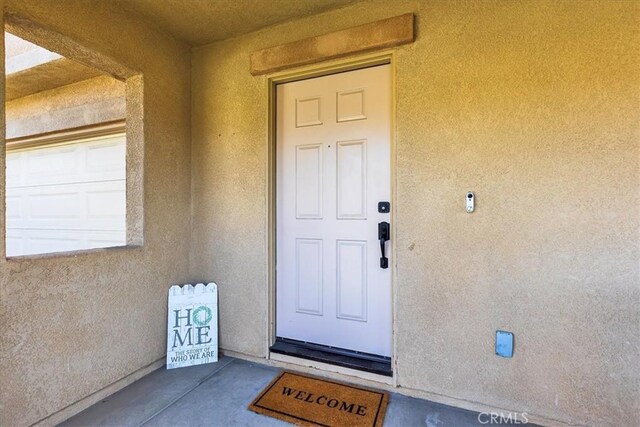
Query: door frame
[[302, 73]]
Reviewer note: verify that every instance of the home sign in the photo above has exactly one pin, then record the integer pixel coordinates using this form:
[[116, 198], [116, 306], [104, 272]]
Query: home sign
[[192, 325]]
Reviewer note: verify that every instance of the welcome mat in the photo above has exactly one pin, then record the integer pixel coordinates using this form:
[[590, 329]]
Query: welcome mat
[[308, 401]]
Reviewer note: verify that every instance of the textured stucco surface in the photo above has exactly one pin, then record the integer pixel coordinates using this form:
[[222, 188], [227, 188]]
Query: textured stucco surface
[[72, 325], [377, 35], [534, 106], [46, 76], [93, 101], [198, 22]]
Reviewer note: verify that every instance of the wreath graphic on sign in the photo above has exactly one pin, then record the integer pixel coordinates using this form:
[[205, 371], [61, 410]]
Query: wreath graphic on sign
[[207, 315]]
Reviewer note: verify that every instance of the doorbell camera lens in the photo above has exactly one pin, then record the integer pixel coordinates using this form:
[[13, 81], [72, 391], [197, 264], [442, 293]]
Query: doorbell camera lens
[[470, 195]]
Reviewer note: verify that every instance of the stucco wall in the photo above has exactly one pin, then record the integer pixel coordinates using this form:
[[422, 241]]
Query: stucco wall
[[72, 325], [534, 106], [89, 102]]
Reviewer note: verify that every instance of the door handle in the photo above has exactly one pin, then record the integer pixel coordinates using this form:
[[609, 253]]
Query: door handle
[[384, 234]]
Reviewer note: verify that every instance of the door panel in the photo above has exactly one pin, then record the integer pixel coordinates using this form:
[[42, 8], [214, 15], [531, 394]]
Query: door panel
[[333, 167], [351, 179], [309, 276], [309, 181], [351, 280], [66, 197]]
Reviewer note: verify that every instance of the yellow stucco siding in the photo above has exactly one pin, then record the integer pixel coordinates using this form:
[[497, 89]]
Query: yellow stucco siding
[[89, 102], [73, 325], [534, 106]]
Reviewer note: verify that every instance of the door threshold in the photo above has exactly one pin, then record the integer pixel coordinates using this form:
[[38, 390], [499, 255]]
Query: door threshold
[[366, 362]]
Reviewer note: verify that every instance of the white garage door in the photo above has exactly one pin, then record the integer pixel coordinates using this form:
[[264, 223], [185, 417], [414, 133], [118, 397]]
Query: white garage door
[[66, 197]]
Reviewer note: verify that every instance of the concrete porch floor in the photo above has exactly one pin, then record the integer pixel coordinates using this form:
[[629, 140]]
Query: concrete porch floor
[[217, 394]]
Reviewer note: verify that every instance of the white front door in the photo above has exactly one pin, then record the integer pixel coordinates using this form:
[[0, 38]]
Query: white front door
[[333, 168]]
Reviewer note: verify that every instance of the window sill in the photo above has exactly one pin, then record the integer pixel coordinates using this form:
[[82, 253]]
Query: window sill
[[71, 254]]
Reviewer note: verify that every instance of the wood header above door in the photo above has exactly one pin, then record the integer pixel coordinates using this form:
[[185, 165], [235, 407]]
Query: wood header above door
[[375, 35]]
